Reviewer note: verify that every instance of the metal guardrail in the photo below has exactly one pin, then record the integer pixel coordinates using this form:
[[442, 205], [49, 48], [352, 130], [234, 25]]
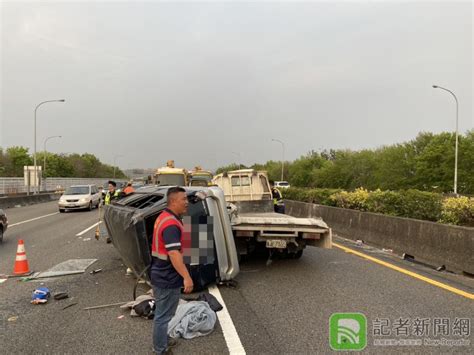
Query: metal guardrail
[[16, 185]]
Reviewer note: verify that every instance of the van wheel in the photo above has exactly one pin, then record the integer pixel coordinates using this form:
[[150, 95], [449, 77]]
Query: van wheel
[[61, 210], [90, 206], [1, 235], [297, 255]]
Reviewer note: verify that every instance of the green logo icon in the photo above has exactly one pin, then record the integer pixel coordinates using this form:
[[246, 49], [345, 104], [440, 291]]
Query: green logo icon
[[348, 331]]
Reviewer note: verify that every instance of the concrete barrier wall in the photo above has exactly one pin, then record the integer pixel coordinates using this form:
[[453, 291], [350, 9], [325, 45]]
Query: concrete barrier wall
[[433, 243], [9, 202]]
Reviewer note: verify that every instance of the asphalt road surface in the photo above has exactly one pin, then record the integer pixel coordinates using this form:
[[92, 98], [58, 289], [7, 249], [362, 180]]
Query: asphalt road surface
[[282, 307]]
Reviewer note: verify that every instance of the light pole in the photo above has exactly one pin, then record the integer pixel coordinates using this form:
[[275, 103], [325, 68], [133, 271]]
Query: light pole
[[115, 162], [238, 155], [34, 148], [44, 158], [283, 159], [457, 134]]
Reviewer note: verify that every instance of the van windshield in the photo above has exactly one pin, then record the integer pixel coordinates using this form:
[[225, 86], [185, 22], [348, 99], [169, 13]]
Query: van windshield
[[170, 180], [77, 190]]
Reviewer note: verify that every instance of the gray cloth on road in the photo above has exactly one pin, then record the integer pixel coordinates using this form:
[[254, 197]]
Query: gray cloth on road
[[192, 319]]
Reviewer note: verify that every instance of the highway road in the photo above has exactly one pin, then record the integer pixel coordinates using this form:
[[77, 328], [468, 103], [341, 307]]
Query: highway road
[[282, 307]]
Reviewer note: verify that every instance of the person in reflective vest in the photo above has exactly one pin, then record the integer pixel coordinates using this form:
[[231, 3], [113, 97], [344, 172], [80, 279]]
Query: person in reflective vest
[[112, 194], [168, 271], [129, 189], [278, 205]]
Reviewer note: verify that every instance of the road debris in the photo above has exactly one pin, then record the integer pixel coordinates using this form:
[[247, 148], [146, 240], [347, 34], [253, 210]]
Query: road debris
[[105, 306], [40, 295], [121, 317], [95, 271], [69, 267], [86, 239], [359, 242], [13, 318], [60, 296], [69, 305], [5, 276]]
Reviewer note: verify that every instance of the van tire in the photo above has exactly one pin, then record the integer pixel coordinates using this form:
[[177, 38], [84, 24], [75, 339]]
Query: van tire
[[297, 255]]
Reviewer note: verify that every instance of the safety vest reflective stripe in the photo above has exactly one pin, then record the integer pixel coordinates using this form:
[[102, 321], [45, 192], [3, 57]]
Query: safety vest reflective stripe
[[156, 229], [158, 248], [107, 197]]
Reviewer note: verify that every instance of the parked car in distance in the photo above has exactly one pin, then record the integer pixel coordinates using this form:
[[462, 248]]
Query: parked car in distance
[[79, 197], [282, 184], [3, 224]]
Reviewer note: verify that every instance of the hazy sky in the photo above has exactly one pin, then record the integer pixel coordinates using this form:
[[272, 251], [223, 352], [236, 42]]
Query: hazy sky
[[197, 81]]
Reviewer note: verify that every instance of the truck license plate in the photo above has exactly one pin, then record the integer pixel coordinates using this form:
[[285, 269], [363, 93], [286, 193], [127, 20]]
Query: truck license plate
[[276, 243]]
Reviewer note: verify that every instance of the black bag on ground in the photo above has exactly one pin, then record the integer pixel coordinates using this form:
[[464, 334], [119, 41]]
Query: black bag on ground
[[211, 300]]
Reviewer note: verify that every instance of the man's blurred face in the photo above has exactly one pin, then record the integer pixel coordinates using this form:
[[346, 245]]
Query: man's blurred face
[[111, 188], [179, 203]]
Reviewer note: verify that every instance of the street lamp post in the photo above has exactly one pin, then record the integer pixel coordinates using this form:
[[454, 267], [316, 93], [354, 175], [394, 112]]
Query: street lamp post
[[34, 147], [115, 162], [238, 155], [44, 158], [283, 156], [457, 139]]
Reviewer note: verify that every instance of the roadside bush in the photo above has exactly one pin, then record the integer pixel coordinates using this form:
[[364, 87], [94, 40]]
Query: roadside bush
[[421, 205], [458, 210], [356, 199], [385, 202], [318, 196], [415, 204]]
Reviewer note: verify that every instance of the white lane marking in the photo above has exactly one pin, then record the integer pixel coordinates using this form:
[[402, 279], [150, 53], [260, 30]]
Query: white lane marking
[[33, 219], [88, 229], [228, 328], [3, 280]]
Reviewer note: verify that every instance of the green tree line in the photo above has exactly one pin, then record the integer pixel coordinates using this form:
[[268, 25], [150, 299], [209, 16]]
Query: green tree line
[[13, 159], [425, 163]]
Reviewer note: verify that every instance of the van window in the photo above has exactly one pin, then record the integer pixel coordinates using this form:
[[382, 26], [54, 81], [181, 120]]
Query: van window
[[235, 181], [240, 180], [264, 183]]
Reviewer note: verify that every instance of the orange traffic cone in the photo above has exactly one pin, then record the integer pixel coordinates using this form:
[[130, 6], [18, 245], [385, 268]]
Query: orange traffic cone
[[21, 263]]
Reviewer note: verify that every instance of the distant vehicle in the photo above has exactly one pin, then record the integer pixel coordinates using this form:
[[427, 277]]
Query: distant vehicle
[[170, 176], [200, 177], [282, 184], [79, 197], [3, 224]]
